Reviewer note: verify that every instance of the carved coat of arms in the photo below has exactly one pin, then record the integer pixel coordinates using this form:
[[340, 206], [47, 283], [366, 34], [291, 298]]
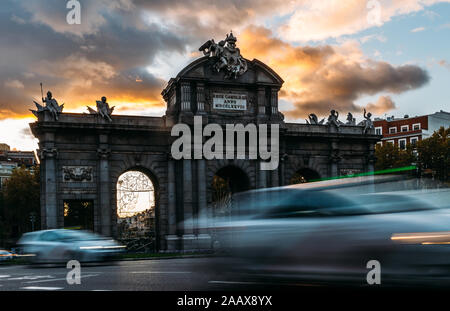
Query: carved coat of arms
[[227, 56]]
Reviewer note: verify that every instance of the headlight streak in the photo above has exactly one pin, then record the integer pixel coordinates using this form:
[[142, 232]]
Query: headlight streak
[[424, 238], [102, 247]]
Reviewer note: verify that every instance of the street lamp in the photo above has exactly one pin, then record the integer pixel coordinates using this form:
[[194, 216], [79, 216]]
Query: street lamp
[[33, 220]]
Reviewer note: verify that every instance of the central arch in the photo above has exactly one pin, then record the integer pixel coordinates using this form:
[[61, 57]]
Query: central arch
[[137, 210], [235, 179], [227, 180]]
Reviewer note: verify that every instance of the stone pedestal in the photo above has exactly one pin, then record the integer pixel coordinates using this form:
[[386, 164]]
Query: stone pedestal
[[172, 242], [189, 242]]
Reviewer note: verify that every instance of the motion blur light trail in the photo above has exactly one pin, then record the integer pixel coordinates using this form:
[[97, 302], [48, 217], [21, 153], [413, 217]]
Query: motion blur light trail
[[422, 237], [386, 171]]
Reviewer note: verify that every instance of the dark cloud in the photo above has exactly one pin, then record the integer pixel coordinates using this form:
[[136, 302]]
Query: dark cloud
[[106, 55], [339, 85], [118, 39], [26, 133]]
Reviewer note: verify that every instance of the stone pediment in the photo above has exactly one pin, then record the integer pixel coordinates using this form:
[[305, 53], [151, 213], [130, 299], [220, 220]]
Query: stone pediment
[[223, 84], [257, 72]]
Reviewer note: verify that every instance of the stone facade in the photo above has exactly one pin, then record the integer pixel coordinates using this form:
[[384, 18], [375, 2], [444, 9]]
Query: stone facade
[[97, 151]]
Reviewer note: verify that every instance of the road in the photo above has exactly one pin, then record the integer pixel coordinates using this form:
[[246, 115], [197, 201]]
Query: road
[[178, 274], [143, 275], [181, 274]]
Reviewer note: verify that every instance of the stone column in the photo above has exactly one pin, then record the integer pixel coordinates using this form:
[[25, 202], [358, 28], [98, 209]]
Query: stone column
[[185, 96], [200, 98], [334, 167], [49, 155], [282, 170], [371, 157], [334, 159], [370, 160], [188, 234], [261, 101], [275, 177], [104, 186], [203, 238], [274, 101], [172, 237], [262, 177]]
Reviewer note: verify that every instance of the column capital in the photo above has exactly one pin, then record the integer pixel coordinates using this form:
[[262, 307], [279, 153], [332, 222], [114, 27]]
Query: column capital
[[51, 153], [103, 153], [371, 158], [335, 156]]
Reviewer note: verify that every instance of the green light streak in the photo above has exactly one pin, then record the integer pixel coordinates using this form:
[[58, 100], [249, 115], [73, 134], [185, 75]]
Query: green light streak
[[386, 171]]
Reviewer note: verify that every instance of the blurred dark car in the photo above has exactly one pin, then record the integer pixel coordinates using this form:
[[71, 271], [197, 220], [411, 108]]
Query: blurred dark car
[[61, 245], [311, 233], [6, 255]]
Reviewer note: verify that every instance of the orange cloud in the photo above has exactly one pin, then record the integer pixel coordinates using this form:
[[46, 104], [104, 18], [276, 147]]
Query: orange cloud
[[326, 77], [319, 20], [383, 104]]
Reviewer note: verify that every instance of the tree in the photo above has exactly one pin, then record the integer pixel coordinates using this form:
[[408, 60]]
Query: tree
[[2, 221], [21, 198], [434, 154], [431, 155], [390, 156]]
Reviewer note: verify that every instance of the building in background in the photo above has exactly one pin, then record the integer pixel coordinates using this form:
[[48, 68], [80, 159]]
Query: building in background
[[6, 168], [26, 158], [4, 147], [410, 130], [10, 159]]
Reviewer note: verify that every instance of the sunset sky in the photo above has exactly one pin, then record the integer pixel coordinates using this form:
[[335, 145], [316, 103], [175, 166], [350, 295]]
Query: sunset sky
[[391, 57]]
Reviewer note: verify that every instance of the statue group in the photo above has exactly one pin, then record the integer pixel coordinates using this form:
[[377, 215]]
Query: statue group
[[333, 119], [227, 56], [51, 105], [102, 109]]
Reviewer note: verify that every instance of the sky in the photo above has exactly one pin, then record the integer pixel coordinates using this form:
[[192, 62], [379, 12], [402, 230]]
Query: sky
[[391, 57]]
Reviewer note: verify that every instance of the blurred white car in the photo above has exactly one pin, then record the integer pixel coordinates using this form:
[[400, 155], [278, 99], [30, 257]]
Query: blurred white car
[[296, 233], [5, 255], [61, 245]]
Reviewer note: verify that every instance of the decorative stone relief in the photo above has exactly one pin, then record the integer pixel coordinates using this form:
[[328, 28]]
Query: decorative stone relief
[[77, 173]]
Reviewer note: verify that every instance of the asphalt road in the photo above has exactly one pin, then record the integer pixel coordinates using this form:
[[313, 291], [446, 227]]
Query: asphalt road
[[180, 274]]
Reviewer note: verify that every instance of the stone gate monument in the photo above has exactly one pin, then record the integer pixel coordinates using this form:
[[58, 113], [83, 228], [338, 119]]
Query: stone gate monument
[[83, 155]]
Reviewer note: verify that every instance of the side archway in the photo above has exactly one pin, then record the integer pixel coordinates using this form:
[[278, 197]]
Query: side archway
[[304, 175]]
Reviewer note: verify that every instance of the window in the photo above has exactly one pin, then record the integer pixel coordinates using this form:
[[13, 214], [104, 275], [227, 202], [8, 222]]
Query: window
[[379, 130], [392, 130], [390, 142], [49, 236], [414, 140], [416, 126], [405, 128], [380, 143], [402, 143], [310, 204]]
